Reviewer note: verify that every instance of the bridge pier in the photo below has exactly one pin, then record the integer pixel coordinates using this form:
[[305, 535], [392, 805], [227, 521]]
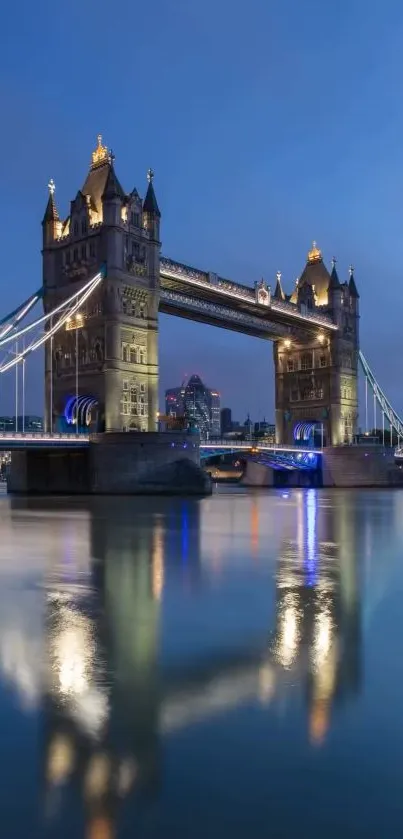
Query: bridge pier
[[113, 464]]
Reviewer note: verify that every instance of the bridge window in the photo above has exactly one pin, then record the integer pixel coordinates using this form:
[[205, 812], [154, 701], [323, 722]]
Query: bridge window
[[306, 361], [133, 355], [142, 361]]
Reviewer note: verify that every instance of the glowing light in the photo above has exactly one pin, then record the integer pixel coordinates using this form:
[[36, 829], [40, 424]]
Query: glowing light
[[314, 254], [100, 155], [61, 759], [158, 562], [287, 343], [321, 337], [322, 640], [288, 631]]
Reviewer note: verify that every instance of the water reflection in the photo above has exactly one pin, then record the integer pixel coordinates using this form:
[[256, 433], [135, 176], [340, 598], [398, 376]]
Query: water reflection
[[318, 619], [133, 645]]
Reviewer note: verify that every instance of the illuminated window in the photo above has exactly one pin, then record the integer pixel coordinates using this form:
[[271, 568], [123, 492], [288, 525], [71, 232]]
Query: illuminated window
[[306, 361]]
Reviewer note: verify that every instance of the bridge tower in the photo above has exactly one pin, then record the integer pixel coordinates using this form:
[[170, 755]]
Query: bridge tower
[[317, 378], [113, 342]]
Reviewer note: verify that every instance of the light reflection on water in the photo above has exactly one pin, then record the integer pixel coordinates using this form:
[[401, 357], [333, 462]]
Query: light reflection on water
[[225, 653]]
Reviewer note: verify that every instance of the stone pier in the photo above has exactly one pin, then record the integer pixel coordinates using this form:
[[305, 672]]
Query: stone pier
[[120, 463]]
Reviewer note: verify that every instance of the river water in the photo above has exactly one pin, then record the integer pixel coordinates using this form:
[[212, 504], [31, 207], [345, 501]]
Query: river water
[[182, 668]]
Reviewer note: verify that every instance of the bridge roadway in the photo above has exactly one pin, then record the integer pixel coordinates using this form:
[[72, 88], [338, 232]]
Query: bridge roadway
[[33, 440], [190, 293]]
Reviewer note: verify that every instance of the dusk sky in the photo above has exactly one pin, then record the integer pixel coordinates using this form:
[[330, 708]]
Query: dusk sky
[[268, 125]]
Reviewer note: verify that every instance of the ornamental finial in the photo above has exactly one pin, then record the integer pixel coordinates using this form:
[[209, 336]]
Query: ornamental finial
[[278, 276], [150, 175], [334, 260], [314, 254], [101, 152], [351, 270], [51, 186]]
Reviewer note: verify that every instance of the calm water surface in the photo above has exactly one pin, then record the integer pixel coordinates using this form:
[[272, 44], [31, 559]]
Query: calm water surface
[[226, 667]]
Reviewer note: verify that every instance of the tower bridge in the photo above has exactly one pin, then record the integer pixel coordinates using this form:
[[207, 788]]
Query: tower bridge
[[104, 284]]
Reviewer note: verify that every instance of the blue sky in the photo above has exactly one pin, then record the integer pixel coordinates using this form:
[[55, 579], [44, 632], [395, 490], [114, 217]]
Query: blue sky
[[267, 124]]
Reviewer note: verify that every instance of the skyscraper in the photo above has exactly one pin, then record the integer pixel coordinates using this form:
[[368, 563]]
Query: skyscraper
[[175, 401], [199, 404]]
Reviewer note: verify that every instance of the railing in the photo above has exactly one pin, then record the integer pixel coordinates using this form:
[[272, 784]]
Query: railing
[[254, 445], [176, 270]]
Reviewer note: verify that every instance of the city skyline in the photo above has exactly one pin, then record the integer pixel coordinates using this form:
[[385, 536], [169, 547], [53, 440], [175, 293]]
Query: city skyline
[[302, 146]]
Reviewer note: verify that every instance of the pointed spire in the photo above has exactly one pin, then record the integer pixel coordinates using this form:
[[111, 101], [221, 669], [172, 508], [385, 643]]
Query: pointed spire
[[278, 291], [51, 213], [334, 282], [352, 286], [112, 188], [150, 202]]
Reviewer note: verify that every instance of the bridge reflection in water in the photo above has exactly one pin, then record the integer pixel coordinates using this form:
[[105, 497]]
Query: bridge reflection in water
[[129, 658]]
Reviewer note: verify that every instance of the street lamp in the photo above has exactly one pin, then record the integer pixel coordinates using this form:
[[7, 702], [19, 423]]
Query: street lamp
[[75, 322]]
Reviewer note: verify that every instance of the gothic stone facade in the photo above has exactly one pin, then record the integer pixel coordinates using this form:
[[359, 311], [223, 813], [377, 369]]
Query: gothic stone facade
[[118, 336], [317, 379]]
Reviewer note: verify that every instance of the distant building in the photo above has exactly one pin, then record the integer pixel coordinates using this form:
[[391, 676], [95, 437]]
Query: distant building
[[215, 414], [226, 420], [198, 404], [265, 429], [175, 401], [29, 422]]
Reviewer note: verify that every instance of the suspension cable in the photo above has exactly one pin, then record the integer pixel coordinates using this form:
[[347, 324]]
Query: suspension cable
[[55, 311], [88, 289], [394, 420]]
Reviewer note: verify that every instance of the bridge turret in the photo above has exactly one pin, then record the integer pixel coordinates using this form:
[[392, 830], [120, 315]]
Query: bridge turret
[[151, 213], [117, 343], [113, 198], [51, 224], [335, 294]]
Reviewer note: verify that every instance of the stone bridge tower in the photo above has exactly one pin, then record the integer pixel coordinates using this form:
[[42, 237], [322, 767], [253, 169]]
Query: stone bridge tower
[[317, 377], [116, 333]]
